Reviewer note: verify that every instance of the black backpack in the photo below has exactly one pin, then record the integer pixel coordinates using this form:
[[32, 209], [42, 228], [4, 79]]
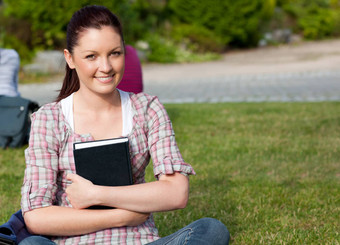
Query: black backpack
[[15, 120]]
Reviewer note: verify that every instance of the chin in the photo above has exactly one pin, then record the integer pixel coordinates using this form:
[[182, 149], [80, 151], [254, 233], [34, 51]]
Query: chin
[[111, 90], [106, 91]]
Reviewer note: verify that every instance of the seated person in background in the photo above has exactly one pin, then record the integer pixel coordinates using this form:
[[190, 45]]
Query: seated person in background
[[132, 80], [9, 68]]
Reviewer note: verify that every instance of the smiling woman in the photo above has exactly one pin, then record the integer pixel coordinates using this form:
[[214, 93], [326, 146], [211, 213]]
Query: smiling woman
[[94, 46], [90, 107], [98, 59]]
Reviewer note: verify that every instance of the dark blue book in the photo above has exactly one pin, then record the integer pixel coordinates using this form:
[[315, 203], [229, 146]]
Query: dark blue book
[[104, 162]]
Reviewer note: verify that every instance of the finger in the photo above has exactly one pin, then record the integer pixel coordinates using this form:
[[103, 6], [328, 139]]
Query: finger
[[70, 176]]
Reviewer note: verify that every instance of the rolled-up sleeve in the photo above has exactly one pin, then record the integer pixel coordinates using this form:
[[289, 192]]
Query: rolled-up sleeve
[[163, 148], [39, 187]]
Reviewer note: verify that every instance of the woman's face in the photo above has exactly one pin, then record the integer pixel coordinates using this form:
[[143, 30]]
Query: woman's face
[[98, 59]]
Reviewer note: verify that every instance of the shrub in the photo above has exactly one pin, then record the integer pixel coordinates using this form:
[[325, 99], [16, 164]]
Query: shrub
[[163, 50], [197, 38], [24, 52], [48, 18], [315, 19], [16, 34], [234, 22]]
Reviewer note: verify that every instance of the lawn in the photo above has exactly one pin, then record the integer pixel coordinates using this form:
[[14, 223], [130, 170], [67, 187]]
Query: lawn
[[269, 171]]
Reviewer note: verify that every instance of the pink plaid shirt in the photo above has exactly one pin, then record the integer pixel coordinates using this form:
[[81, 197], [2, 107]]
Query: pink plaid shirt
[[49, 158]]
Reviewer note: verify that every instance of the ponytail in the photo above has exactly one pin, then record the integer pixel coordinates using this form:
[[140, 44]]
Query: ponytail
[[70, 84]]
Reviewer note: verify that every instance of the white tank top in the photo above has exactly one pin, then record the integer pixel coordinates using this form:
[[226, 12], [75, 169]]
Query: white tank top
[[67, 108]]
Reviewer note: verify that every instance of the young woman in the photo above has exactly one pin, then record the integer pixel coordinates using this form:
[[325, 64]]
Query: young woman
[[89, 107]]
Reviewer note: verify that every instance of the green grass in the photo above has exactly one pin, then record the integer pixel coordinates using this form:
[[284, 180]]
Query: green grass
[[269, 171], [29, 78], [12, 165]]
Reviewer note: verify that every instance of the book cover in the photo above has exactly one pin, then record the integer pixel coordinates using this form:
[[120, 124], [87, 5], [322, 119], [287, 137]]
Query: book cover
[[104, 162]]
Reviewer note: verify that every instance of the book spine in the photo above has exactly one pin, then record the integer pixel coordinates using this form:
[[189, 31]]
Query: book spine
[[129, 161]]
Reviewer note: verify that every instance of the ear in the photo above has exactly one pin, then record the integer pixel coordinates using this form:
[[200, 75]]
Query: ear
[[68, 58]]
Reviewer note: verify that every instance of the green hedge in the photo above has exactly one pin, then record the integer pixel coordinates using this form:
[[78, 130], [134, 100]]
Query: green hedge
[[194, 26], [49, 18], [197, 38], [234, 22], [315, 19], [46, 20]]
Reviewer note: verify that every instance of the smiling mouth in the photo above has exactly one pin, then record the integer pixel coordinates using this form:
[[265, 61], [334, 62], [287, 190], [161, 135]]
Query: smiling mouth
[[105, 79]]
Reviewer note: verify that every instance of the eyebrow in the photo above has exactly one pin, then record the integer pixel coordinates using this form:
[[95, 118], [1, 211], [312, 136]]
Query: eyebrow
[[85, 51]]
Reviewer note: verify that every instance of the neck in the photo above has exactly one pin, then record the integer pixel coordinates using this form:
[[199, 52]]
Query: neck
[[97, 102]]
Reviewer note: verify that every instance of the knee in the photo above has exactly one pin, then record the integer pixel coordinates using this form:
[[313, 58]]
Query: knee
[[215, 228]]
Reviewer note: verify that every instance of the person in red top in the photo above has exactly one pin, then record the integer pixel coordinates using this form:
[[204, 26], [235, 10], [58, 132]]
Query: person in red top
[[132, 80]]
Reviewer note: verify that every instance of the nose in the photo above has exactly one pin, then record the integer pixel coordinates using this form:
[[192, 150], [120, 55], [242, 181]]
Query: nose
[[105, 65]]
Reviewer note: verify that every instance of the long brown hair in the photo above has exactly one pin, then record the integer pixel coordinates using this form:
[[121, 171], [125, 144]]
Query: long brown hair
[[93, 16]]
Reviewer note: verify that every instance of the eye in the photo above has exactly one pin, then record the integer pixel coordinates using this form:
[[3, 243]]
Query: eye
[[90, 57], [116, 53]]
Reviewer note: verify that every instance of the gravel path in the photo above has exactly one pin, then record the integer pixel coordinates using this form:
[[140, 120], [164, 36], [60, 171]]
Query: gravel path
[[306, 71]]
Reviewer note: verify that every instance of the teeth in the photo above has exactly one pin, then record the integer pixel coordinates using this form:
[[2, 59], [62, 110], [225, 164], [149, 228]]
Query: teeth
[[104, 78]]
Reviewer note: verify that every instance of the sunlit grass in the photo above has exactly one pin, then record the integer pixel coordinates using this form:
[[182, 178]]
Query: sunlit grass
[[29, 78], [269, 171]]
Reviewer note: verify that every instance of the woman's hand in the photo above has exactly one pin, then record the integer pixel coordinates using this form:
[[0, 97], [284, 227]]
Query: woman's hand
[[81, 192]]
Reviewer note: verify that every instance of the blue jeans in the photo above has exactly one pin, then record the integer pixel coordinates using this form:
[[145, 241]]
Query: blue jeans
[[201, 232], [31, 240]]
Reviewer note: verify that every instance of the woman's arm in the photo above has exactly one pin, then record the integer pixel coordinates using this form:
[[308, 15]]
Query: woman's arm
[[169, 193], [64, 221]]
